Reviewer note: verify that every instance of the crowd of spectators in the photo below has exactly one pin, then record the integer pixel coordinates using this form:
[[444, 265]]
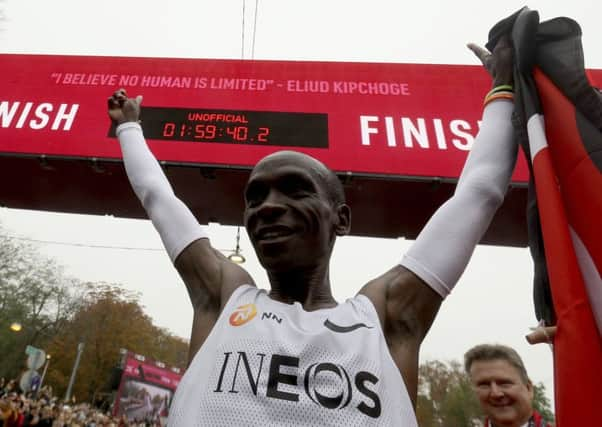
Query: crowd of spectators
[[43, 409]]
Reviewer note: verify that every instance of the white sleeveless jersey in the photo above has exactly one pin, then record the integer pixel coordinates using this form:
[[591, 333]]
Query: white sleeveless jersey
[[267, 363]]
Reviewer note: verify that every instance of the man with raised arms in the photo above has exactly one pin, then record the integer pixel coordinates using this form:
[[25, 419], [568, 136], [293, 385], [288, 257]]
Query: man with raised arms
[[294, 355]]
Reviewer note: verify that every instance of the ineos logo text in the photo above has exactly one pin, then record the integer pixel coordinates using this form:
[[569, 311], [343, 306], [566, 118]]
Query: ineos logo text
[[284, 376]]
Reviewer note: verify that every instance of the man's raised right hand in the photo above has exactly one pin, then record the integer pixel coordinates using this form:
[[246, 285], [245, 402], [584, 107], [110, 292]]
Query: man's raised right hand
[[123, 109]]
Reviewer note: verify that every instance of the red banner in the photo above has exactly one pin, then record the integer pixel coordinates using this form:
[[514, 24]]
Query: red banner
[[365, 121], [146, 389], [389, 119]]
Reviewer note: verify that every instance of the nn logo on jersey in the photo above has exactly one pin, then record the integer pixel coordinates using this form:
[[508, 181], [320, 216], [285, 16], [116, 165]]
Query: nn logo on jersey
[[243, 314]]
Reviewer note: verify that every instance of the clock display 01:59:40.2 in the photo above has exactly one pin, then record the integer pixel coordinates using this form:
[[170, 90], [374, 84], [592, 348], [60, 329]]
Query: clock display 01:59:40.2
[[239, 127], [203, 132]]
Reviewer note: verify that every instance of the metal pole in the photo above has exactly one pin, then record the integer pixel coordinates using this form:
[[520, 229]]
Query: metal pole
[[43, 376], [80, 350]]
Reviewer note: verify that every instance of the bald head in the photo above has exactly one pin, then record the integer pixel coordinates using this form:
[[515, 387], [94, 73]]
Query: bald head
[[325, 177]]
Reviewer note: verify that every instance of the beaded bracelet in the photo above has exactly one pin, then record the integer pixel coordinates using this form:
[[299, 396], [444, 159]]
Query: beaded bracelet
[[500, 88], [498, 95]]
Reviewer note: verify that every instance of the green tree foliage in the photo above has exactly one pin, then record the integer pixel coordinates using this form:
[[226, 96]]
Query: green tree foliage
[[109, 319], [35, 293], [445, 396], [541, 403], [57, 312]]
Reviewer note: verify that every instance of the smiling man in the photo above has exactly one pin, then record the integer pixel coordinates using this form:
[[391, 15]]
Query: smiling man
[[293, 355], [503, 387]]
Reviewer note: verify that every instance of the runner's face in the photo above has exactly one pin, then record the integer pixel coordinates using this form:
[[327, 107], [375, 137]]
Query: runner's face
[[503, 395], [289, 216]]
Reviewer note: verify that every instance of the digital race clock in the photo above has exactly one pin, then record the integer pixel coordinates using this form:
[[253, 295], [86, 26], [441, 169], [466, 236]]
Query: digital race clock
[[235, 127]]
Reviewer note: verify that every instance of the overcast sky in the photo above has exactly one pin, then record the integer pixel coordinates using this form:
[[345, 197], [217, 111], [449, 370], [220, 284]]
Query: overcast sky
[[491, 303]]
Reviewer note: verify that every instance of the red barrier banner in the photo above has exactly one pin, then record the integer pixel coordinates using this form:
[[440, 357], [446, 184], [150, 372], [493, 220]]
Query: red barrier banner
[[376, 119], [146, 389]]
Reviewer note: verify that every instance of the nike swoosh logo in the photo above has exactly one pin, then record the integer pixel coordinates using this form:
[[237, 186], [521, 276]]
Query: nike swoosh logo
[[343, 329]]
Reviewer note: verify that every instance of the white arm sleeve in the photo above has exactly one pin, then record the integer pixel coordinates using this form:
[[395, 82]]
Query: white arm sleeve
[[176, 225], [443, 248]]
